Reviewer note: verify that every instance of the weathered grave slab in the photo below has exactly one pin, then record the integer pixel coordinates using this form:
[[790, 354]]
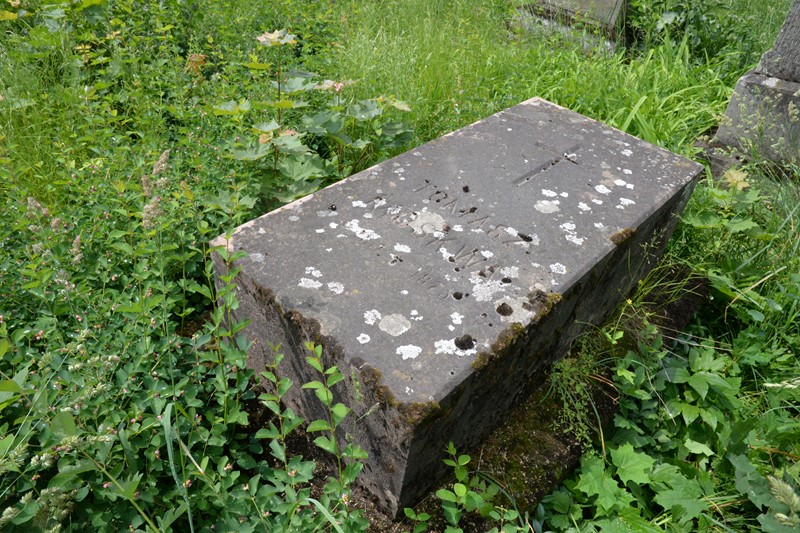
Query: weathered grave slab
[[764, 111], [605, 14], [443, 282]]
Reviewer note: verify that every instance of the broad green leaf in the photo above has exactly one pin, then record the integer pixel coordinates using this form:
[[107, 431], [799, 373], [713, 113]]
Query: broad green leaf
[[231, 108], [681, 496], [749, 482], [704, 220], [255, 65], [318, 425], [266, 127], [446, 495], [326, 444], [632, 465], [253, 153], [8, 385], [63, 425], [698, 447], [68, 472], [595, 481]]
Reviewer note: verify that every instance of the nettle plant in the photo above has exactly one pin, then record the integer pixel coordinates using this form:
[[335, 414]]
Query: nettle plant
[[293, 153]]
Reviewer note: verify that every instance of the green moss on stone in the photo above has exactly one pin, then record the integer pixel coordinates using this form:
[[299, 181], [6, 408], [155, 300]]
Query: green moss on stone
[[414, 413]]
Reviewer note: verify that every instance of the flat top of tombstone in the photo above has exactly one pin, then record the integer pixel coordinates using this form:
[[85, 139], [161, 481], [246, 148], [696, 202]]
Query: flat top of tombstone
[[418, 264], [602, 11]]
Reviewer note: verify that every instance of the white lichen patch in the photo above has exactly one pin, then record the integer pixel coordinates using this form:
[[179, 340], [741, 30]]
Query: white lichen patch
[[596, 201], [394, 325], [408, 351], [262, 231], [308, 283], [367, 215], [599, 225], [426, 222], [325, 213], [445, 254], [571, 235], [363, 338], [584, 206], [511, 231], [364, 234], [319, 230], [549, 193], [483, 289], [626, 201], [314, 272], [558, 268], [402, 248], [626, 152], [564, 195], [257, 258], [547, 206], [336, 287], [294, 218], [404, 292], [372, 316], [458, 227], [510, 272], [456, 318], [602, 189], [359, 203], [409, 391], [487, 254], [627, 172], [449, 347], [333, 225], [620, 183]]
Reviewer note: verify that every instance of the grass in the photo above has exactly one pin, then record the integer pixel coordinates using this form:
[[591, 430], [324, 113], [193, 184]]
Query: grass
[[124, 397]]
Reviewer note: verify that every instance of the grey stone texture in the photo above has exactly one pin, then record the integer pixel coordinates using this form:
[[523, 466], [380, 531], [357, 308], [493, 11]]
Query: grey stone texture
[[603, 13], [783, 60], [764, 112], [445, 281]]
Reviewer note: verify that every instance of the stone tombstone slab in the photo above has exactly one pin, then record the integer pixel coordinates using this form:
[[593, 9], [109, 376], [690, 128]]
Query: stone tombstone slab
[[764, 111], [602, 13], [445, 281]]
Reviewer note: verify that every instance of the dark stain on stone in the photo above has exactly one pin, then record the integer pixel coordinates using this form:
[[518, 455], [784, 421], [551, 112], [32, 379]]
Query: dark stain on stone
[[472, 209], [504, 309], [332, 207], [526, 238], [465, 188], [415, 413], [465, 342], [372, 379], [458, 295], [506, 280], [622, 235]]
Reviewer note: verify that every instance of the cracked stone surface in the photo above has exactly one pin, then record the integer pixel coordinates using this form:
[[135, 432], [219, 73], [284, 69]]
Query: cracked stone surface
[[444, 281]]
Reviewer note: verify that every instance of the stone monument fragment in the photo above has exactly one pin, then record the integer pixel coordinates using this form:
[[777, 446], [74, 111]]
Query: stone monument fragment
[[764, 111], [603, 14], [445, 281]]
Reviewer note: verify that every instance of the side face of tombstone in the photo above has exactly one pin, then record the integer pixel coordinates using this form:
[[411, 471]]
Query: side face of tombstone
[[764, 111], [445, 281]]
